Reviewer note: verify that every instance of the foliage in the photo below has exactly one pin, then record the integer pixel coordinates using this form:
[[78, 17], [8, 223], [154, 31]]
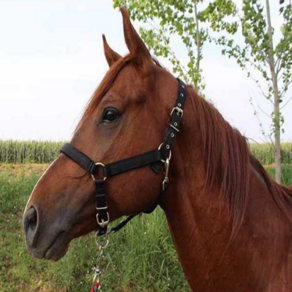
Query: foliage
[[256, 50], [182, 18], [259, 54]]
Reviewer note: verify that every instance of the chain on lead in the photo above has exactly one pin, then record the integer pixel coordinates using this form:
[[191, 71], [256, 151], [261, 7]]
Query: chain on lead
[[97, 273]]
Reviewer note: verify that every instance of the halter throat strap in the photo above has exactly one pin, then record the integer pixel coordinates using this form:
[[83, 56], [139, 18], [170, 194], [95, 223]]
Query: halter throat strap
[[153, 158]]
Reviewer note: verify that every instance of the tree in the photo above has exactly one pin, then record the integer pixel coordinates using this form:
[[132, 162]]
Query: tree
[[182, 18], [259, 54]]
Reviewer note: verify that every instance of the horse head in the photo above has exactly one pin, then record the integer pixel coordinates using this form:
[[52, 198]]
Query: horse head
[[127, 115]]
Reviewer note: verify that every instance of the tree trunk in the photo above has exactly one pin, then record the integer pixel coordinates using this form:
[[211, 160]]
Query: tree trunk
[[276, 121], [198, 41]]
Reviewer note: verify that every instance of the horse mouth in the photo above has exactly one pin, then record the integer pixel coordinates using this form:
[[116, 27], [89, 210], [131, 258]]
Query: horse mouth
[[58, 248]]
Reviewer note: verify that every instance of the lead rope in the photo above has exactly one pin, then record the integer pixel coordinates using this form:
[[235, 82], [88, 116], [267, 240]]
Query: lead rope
[[102, 244]]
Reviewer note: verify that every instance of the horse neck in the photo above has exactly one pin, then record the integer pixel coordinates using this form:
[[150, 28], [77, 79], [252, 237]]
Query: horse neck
[[201, 227]]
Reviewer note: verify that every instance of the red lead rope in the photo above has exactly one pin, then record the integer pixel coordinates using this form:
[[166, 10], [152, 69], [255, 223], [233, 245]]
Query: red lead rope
[[96, 286]]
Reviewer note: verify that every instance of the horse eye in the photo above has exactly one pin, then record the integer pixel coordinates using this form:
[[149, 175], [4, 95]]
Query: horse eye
[[110, 115]]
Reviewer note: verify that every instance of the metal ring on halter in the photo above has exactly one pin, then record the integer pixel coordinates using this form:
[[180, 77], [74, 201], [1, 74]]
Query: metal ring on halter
[[169, 157], [103, 222], [103, 166]]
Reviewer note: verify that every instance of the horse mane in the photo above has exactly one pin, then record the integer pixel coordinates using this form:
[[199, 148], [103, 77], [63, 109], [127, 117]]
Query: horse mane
[[227, 161]]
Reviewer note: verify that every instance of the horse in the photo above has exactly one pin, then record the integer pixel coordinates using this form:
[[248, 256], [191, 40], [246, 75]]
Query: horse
[[229, 220]]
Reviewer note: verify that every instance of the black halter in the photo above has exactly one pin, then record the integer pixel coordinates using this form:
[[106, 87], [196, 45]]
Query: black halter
[[152, 158]]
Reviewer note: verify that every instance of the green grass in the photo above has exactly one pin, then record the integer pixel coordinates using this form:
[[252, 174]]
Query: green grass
[[139, 258]]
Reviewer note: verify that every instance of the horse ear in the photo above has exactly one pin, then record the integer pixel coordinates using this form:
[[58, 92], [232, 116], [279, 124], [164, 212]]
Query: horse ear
[[138, 50], [110, 55]]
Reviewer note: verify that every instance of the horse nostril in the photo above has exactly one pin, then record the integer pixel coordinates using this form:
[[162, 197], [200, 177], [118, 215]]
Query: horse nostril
[[30, 225]]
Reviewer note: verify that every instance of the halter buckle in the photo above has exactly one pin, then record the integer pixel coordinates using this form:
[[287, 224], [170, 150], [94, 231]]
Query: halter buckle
[[99, 164], [178, 110], [103, 223]]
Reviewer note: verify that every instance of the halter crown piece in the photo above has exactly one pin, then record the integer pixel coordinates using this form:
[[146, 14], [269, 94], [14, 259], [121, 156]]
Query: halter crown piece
[[152, 158]]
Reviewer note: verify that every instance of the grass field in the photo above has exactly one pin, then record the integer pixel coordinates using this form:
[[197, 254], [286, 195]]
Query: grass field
[[140, 258]]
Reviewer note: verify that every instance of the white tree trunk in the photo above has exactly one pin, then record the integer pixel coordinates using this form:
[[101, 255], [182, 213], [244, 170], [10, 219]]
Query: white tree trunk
[[276, 121]]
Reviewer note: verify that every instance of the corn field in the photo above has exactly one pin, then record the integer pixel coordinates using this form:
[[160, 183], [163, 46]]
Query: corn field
[[265, 153], [28, 151], [46, 151]]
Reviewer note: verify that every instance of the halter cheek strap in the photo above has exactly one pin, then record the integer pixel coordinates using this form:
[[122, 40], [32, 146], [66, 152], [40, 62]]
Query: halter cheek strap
[[153, 158]]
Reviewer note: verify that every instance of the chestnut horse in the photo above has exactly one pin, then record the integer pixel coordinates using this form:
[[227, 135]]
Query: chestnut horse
[[229, 221]]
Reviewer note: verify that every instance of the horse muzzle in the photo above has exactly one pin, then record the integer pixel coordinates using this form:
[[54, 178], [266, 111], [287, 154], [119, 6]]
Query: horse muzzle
[[51, 244]]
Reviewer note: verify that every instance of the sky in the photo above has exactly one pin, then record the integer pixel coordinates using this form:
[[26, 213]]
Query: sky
[[52, 60]]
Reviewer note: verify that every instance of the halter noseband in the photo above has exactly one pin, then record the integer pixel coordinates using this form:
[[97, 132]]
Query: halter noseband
[[153, 158]]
